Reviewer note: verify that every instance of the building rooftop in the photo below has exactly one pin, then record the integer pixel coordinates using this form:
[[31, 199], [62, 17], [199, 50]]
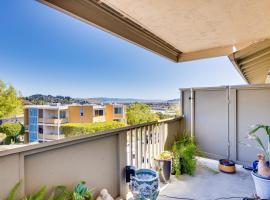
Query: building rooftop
[[49, 107]]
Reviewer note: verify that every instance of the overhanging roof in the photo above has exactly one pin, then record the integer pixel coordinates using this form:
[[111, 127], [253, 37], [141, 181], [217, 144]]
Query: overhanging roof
[[253, 62], [180, 30]]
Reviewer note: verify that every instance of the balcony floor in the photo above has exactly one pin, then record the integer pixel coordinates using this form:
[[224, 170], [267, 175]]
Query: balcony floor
[[209, 184]]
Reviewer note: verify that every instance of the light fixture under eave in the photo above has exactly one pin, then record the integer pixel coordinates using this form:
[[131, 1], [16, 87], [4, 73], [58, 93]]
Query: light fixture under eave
[[234, 49]]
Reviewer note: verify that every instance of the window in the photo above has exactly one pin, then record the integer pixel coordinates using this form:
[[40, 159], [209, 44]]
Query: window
[[118, 110], [40, 113], [40, 129], [62, 114], [81, 112], [99, 112]]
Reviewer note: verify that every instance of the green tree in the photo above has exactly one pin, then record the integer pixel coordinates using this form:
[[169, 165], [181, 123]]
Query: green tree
[[12, 131], [139, 113], [10, 103]]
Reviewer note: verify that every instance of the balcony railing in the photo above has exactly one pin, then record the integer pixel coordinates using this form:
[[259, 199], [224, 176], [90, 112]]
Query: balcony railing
[[98, 159], [144, 143]]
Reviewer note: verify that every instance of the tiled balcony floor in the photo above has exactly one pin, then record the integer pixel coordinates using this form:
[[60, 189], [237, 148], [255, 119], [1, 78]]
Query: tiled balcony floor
[[209, 184]]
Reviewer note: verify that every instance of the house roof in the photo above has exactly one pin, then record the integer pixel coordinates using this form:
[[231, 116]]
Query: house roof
[[179, 30]]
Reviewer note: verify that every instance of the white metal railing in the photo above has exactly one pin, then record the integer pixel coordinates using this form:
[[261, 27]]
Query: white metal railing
[[144, 143]]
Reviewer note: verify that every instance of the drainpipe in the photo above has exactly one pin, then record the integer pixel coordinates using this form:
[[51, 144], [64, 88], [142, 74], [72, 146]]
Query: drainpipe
[[192, 113]]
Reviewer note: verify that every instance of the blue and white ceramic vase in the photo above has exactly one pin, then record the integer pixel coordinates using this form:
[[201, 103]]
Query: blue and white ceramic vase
[[145, 184]]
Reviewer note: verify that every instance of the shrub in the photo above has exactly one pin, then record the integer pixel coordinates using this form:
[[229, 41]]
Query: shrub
[[12, 132], [74, 129], [184, 150], [12, 129]]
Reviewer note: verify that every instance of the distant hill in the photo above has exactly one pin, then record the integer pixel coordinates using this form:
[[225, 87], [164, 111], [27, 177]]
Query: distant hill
[[41, 99], [124, 100], [47, 99]]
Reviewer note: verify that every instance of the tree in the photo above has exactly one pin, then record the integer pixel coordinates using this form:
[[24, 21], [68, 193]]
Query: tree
[[139, 113], [10, 103], [12, 131]]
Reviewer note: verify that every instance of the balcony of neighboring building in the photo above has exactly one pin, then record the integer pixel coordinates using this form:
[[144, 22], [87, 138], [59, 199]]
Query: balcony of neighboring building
[[48, 133], [99, 115], [118, 112], [52, 117]]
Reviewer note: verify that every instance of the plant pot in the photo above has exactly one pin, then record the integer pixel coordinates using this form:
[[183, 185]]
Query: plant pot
[[145, 185], [164, 167], [227, 166], [262, 185]]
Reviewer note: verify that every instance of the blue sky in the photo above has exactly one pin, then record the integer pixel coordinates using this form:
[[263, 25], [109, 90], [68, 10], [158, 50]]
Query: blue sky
[[45, 51]]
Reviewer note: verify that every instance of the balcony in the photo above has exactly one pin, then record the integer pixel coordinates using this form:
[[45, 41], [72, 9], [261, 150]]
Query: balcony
[[219, 128], [52, 120]]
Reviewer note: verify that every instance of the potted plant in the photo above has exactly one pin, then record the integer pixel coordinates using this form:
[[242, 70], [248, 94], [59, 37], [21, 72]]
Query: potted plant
[[184, 150], [163, 163], [261, 175]]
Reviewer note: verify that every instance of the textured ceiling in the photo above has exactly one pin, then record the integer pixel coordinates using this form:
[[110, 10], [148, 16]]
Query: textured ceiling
[[183, 30], [194, 25]]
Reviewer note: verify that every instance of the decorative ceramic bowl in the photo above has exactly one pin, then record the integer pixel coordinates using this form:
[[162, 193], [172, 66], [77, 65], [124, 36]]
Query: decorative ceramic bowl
[[145, 185]]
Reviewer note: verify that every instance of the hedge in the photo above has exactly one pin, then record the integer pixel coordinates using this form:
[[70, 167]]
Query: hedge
[[74, 129]]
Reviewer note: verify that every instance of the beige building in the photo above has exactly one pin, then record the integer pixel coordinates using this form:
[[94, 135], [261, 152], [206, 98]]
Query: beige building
[[43, 122]]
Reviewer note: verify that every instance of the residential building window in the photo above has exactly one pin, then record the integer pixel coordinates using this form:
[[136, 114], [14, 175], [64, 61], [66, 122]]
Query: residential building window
[[118, 110], [40, 129], [99, 113], [81, 112], [62, 114], [40, 113]]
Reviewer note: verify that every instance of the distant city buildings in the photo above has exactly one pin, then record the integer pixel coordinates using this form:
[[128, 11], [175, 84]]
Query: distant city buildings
[[43, 122]]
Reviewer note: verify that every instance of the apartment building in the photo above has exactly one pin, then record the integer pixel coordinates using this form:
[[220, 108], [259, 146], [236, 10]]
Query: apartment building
[[43, 122]]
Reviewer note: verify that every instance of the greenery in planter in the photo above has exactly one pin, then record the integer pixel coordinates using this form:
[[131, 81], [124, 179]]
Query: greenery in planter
[[184, 150], [253, 135], [165, 155], [12, 132], [40, 195], [74, 129], [80, 192]]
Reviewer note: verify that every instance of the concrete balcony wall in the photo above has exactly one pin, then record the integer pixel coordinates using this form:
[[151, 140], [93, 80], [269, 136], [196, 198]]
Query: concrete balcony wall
[[99, 119], [52, 121], [118, 116], [98, 159]]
